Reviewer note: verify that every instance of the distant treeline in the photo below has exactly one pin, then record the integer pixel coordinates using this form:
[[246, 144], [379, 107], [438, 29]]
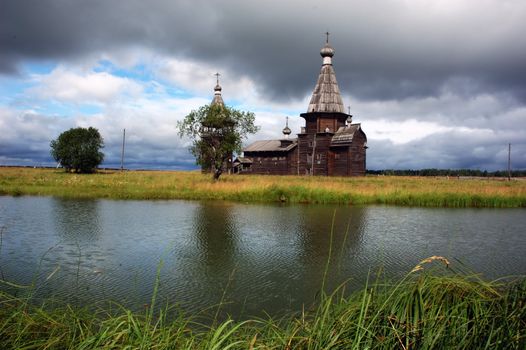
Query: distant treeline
[[392, 172], [448, 172]]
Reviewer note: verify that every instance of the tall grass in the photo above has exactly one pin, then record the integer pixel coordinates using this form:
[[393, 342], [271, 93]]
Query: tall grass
[[407, 191], [425, 310]]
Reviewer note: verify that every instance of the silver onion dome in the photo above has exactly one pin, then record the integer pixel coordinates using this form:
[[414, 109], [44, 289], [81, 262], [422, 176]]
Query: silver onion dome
[[327, 51], [286, 130]]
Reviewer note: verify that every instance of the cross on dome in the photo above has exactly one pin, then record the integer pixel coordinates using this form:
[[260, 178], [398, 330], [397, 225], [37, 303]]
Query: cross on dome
[[218, 99]]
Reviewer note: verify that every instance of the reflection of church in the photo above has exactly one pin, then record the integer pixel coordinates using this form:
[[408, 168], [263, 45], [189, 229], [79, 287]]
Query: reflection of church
[[328, 144]]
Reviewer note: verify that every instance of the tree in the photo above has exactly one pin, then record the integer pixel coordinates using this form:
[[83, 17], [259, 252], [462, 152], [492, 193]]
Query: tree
[[216, 132], [78, 149]]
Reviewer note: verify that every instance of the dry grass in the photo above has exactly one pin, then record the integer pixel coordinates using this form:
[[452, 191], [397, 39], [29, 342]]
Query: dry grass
[[413, 191]]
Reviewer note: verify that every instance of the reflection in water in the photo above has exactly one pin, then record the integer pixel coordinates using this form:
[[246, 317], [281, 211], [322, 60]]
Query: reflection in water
[[76, 257], [305, 250], [251, 257], [76, 221], [214, 262], [216, 236], [318, 224]]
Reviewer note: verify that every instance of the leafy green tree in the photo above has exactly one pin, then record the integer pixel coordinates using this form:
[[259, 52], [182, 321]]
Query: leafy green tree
[[78, 149], [216, 132]]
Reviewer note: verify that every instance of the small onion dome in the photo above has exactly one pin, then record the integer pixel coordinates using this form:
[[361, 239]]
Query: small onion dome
[[286, 130], [217, 88], [327, 51]]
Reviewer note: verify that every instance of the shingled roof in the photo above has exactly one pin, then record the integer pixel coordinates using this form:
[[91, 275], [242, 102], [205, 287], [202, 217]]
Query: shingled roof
[[326, 96], [345, 135], [270, 146]]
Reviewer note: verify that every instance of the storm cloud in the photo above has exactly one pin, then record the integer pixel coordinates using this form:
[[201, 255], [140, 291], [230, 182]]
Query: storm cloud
[[455, 68]]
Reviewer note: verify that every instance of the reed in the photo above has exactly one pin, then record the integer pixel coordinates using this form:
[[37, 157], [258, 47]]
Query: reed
[[390, 190], [426, 310]]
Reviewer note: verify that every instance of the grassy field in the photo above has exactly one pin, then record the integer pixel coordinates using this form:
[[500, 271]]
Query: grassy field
[[428, 309], [392, 190], [423, 311]]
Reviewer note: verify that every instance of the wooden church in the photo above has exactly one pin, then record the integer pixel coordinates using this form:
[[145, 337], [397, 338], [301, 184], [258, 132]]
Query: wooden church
[[329, 144]]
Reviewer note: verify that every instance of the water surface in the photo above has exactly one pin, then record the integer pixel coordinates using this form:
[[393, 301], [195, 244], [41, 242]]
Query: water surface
[[254, 256]]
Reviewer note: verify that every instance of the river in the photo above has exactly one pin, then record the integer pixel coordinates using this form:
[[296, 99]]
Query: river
[[253, 258]]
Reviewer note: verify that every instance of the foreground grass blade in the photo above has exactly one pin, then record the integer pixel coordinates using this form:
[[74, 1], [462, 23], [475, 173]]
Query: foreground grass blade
[[427, 309]]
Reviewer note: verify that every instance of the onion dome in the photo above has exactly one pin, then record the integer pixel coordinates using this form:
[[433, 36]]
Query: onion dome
[[218, 99], [286, 130], [327, 51]]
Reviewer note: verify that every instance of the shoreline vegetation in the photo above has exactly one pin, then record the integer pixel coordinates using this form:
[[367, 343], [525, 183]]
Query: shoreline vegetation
[[437, 308], [426, 310], [192, 185]]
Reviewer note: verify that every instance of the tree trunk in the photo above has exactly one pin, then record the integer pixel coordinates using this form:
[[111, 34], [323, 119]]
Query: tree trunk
[[217, 173]]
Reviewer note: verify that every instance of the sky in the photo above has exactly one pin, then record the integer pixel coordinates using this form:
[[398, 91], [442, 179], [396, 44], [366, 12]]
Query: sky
[[434, 84]]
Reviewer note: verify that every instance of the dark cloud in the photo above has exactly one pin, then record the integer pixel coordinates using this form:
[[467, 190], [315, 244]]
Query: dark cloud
[[456, 63], [138, 155], [451, 150], [18, 153], [384, 49]]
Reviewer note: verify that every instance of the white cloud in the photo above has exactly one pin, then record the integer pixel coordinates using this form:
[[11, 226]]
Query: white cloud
[[27, 127], [400, 132], [199, 78], [238, 90], [66, 85]]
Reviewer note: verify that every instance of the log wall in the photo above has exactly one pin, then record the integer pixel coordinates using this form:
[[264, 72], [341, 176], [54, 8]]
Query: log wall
[[340, 161], [357, 155], [267, 163]]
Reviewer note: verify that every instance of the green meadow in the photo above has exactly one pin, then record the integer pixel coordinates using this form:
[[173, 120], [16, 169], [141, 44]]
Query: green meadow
[[390, 190]]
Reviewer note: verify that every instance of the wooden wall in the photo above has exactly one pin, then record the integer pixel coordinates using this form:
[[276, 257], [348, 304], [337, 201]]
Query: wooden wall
[[331, 123], [292, 159], [339, 161], [321, 152], [304, 148], [357, 155], [319, 160], [273, 163]]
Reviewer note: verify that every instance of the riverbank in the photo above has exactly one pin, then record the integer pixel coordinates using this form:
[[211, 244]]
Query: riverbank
[[423, 311], [390, 190]]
